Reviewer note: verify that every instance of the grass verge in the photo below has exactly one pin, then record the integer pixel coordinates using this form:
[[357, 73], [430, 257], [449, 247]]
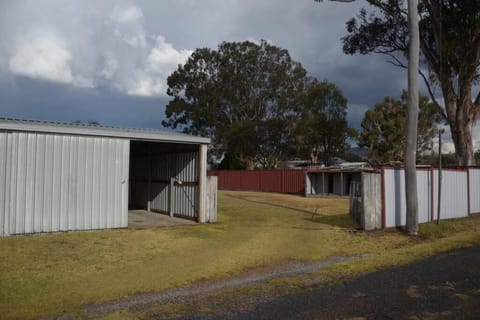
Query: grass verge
[[48, 275]]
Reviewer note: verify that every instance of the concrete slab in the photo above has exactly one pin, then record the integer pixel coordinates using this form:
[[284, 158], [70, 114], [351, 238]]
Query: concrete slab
[[142, 219]]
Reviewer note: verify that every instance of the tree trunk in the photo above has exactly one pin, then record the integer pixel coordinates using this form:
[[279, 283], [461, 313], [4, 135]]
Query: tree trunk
[[248, 162], [461, 115], [314, 155], [412, 120], [462, 138]]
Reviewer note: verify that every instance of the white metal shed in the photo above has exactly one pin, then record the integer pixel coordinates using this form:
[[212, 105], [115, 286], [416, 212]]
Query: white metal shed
[[59, 176]]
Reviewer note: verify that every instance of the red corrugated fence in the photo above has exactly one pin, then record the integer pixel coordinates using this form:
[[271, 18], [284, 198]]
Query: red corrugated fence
[[281, 181]]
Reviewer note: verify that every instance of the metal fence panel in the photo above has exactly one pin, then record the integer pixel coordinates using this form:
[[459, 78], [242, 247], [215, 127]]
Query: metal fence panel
[[62, 182], [395, 200], [282, 181], [454, 198], [250, 180], [474, 189]]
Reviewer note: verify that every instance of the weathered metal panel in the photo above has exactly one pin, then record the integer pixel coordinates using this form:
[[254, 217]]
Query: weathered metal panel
[[395, 203], [474, 184], [371, 212], [61, 182], [211, 200], [454, 198]]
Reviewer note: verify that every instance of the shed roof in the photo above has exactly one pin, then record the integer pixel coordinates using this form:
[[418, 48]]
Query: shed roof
[[7, 124]]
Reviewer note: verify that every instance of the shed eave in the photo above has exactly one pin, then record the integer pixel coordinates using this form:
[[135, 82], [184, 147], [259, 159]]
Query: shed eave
[[126, 133]]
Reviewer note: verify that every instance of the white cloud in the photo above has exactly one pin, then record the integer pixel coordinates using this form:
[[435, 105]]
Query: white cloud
[[134, 39], [128, 25], [42, 57], [126, 14], [84, 81], [109, 47], [163, 59], [109, 67], [145, 85]]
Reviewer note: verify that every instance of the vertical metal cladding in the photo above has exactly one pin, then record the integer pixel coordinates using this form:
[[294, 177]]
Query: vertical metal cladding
[[62, 182], [282, 181], [395, 210], [454, 198], [474, 181], [186, 189]]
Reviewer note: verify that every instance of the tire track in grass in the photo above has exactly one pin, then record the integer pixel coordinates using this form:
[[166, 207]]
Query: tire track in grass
[[207, 287]]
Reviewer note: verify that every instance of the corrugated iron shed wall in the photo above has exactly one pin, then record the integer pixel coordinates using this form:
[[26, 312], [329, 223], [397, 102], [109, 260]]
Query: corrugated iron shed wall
[[54, 182]]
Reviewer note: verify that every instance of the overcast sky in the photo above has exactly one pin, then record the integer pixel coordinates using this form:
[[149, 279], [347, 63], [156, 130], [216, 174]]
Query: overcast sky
[[108, 60]]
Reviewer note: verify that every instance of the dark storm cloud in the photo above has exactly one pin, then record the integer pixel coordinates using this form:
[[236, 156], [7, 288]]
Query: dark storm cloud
[[40, 100], [108, 60]]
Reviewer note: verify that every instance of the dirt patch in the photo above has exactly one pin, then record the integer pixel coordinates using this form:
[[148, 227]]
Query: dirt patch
[[142, 219]]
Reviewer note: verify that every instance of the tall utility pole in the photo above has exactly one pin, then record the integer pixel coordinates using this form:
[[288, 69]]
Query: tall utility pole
[[412, 120], [440, 131], [412, 117]]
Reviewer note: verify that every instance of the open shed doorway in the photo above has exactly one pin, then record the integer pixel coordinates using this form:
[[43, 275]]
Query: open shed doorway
[[164, 178]]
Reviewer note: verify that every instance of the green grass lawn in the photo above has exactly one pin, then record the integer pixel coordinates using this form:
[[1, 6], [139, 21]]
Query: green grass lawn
[[48, 275]]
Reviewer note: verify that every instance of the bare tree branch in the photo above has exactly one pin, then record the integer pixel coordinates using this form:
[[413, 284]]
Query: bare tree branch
[[432, 96]]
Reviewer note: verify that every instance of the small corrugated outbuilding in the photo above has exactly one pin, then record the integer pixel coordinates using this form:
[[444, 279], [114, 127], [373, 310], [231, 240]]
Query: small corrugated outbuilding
[[59, 177], [331, 180]]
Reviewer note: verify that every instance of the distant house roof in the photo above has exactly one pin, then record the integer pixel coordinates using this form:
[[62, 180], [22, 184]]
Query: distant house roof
[[7, 124]]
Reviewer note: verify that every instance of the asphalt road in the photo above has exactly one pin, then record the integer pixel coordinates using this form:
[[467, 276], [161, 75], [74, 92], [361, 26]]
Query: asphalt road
[[446, 286]]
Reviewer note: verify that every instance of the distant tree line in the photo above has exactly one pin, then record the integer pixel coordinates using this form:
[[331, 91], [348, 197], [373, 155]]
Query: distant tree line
[[257, 105], [260, 107], [384, 129]]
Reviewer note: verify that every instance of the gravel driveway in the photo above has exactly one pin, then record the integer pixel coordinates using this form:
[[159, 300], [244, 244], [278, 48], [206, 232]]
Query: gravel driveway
[[445, 286]]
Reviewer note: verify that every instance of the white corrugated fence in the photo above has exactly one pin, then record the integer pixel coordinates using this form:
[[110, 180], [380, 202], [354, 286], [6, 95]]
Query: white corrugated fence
[[460, 195]]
